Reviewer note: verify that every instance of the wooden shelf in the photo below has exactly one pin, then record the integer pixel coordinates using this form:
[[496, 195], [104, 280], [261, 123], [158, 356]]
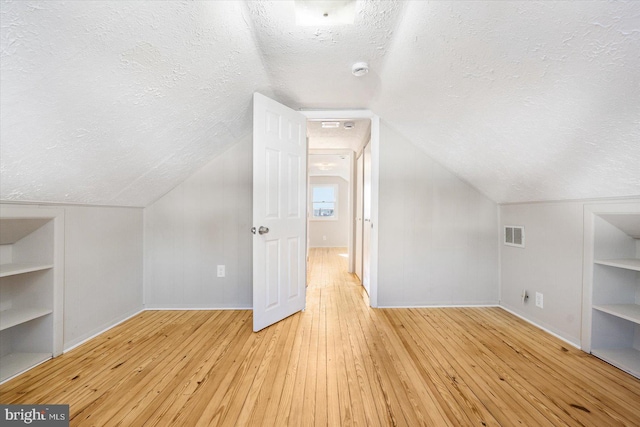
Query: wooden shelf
[[16, 316], [627, 359], [629, 312], [20, 268], [13, 364], [628, 263]]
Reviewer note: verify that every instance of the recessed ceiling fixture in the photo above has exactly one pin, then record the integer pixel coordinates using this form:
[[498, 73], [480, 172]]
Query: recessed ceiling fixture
[[323, 12], [330, 125], [349, 125], [360, 69], [325, 166]]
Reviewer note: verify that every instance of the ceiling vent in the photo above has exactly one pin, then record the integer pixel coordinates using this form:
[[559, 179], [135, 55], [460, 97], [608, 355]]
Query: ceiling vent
[[514, 235]]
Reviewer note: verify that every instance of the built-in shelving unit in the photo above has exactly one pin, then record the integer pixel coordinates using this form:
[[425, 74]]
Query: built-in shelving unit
[[630, 312], [20, 268], [13, 317], [611, 304], [31, 287], [628, 263]]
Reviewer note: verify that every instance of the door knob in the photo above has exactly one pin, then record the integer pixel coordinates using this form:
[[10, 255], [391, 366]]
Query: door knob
[[263, 230]]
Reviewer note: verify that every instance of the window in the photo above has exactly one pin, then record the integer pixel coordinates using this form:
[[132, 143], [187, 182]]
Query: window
[[324, 202]]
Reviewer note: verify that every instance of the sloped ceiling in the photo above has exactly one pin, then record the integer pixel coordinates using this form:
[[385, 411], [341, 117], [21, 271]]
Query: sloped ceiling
[[116, 102]]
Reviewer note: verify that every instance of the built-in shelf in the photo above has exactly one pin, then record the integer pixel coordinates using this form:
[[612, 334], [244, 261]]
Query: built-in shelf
[[13, 364], [14, 316], [31, 287], [629, 312], [628, 263], [611, 284], [20, 268], [627, 359]]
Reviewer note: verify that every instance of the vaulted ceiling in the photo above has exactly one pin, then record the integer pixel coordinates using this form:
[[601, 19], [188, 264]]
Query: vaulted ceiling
[[116, 102]]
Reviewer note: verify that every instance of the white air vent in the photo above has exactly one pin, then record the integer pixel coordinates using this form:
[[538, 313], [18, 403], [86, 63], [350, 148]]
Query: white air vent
[[514, 235]]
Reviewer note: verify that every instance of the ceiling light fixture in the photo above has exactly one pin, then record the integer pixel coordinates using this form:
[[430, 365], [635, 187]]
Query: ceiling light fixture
[[330, 125], [323, 12], [360, 69], [325, 166]]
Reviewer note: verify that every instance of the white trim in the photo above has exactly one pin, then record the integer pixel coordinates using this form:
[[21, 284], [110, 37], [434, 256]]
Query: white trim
[[337, 115], [489, 305], [499, 235], [100, 330], [195, 308], [592, 200], [46, 204], [550, 332]]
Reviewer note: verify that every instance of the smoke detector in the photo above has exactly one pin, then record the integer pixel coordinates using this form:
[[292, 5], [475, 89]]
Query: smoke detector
[[349, 125], [360, 69]]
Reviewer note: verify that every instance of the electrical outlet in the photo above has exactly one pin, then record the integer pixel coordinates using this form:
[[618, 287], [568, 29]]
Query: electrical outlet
[[539, 300], [324, 237], [221, 271]]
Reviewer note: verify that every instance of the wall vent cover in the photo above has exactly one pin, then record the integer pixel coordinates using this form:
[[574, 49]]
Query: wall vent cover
[[514, 235]]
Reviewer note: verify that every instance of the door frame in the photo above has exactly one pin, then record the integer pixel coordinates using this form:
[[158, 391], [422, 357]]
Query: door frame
[[375, 163]]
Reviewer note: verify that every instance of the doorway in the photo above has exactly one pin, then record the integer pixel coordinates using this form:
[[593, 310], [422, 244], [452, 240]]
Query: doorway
[[336, 187]]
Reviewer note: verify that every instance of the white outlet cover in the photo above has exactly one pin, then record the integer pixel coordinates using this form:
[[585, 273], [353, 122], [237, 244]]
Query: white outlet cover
[[539, 300], [221, 271]]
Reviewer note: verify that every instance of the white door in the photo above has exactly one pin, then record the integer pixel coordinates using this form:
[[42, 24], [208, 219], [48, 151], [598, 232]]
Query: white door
[[279, 211], [358, 221], [367, 225]]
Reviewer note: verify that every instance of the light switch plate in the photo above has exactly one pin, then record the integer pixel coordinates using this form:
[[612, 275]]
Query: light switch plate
[[539, 300]]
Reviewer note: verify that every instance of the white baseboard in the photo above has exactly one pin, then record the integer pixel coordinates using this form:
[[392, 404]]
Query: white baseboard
[[441, 306], [547, 330], [182, 308], [99, 330]]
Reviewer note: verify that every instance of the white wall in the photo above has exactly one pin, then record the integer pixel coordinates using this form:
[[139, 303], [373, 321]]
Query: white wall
[[550, 263], [102, 268], [335, 231], [438, 238], [202, 223]]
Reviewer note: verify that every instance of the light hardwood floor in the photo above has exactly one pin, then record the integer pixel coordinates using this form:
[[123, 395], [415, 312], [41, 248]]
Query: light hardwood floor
[[337, 363]]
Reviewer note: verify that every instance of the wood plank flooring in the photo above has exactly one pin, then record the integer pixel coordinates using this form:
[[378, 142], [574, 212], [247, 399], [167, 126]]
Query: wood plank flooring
[[338, 363]]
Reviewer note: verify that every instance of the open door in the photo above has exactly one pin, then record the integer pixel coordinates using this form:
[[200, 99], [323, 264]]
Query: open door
[[279, 211]]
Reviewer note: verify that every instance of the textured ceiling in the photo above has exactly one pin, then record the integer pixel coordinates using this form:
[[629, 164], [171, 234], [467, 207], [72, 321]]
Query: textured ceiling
[[329, 165], [117, 102], [339, 138], [525, 100]]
